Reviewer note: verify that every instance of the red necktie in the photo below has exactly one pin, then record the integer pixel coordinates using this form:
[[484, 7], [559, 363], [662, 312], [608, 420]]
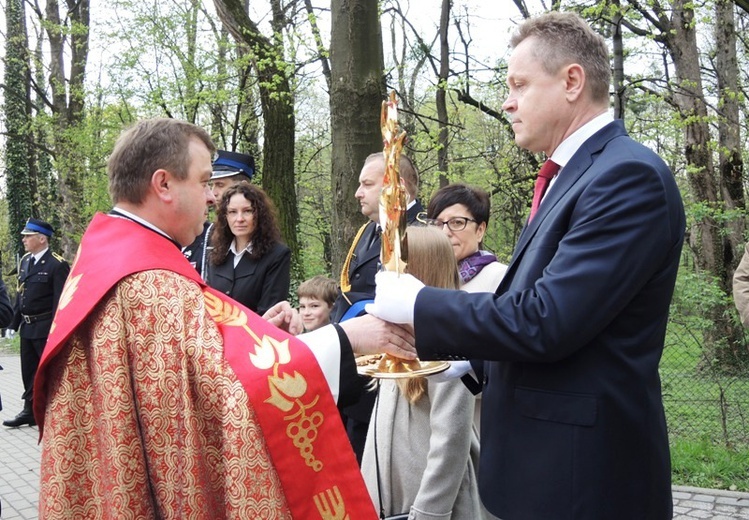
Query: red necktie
[[547, 172]]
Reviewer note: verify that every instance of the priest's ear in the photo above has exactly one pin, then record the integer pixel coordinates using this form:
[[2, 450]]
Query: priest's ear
[[162, 184]]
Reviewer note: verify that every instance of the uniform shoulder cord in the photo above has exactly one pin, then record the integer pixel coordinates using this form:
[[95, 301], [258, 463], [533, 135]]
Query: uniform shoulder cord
[[206, 240], [345, 282]]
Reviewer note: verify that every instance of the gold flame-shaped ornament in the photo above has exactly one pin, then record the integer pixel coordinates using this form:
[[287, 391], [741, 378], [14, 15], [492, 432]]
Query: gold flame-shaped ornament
[[394, 252], [393, 197]]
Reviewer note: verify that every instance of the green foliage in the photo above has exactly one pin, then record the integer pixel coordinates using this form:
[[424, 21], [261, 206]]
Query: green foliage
[[18, 178], [10, 345], [696, 295], [699, 211]]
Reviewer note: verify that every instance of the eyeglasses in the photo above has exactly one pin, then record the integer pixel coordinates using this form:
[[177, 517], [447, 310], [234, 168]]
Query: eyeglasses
[[454, 224]]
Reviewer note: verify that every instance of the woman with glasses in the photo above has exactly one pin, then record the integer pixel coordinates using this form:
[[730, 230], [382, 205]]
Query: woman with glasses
[[462, 213], [248, 261]]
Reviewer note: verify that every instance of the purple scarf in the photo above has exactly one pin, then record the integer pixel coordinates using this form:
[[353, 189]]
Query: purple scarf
[[472, 265]]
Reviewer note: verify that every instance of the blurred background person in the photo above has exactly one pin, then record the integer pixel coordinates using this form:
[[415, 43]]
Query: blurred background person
[[229, 168], [248, 261], [462, 213], [421, 452], [41, 277], [316, 298]]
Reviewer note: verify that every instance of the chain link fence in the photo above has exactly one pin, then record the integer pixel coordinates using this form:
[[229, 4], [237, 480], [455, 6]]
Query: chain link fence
[[701, 402]]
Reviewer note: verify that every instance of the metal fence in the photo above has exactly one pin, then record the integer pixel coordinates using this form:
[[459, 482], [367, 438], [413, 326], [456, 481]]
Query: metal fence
[[701, 402]]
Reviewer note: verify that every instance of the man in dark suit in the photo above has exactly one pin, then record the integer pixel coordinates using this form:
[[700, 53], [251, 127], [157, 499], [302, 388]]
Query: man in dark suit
[[359, 270], [229, 168], [572, 423], [41, 277], [363, 259]]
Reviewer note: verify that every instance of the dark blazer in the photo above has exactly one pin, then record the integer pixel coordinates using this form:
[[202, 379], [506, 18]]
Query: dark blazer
[[365, 262], [572, 423], [257, 284], [39, 291], [196, 253], [6, 308]]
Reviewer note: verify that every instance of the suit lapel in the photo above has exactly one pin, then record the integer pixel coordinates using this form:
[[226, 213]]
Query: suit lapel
[[245, 267], [364, 255], [28, 270], [413, 213], [41, 265], [225, 270], [569, 177]]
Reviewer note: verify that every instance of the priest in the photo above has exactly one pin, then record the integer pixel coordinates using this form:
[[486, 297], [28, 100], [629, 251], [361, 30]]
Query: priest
[[160, 397]]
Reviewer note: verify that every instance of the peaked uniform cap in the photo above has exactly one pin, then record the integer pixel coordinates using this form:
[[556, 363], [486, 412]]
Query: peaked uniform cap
[[34, 226], [228, 164]]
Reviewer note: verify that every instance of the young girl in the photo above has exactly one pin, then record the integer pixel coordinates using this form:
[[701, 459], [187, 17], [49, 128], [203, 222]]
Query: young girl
[[421, 452]]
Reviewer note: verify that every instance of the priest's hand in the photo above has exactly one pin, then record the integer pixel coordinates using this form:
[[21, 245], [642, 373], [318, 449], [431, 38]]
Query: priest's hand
[[370, 335], [395, 297], [285, 317]]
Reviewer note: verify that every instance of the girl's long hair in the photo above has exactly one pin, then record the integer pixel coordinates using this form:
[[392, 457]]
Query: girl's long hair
[[266, 233], [431, 260]]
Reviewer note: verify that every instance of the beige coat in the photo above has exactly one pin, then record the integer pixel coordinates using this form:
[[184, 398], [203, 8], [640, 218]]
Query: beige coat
[[741, 287], [487, 280], [428, 453]]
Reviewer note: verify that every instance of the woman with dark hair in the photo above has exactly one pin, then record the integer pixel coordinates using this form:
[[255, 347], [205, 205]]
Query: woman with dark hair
[[462, 212], [248, 261]]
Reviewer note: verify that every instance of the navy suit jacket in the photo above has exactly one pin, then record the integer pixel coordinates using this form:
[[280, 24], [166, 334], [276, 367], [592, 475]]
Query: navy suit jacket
[[572, 422], [257, 284]]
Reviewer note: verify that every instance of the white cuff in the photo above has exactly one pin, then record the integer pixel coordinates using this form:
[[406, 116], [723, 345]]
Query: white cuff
[[326, 348]]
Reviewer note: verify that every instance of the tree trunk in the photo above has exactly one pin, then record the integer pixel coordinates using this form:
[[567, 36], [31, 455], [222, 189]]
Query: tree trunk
[[356, 95], [731, 164], [17, 114], [442, 150], [724, 339], [620, 100], [277, 102], [68, 95], [731, 169]]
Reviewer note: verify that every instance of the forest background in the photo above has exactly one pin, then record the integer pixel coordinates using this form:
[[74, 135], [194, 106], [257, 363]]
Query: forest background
[[299, 84]]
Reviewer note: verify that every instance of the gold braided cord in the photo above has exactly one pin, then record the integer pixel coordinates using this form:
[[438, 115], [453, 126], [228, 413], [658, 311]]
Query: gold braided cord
[[345, 282]]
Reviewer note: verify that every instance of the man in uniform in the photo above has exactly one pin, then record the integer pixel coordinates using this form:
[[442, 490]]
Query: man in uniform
[[41, 277], [229, 168], [359, 269], [363, 259]]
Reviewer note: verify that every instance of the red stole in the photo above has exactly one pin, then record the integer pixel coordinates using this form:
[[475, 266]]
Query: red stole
[[291, 399]]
